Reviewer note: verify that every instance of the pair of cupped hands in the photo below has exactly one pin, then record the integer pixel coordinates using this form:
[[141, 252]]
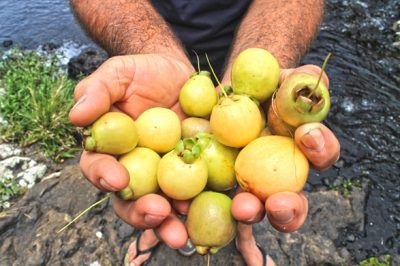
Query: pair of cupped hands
[[134, 83]]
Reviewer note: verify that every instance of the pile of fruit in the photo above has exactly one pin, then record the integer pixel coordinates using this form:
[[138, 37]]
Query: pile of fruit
[[224, 141]]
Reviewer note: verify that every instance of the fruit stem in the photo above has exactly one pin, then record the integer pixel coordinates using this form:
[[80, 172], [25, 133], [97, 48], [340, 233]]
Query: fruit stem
[[208, 259], [198, 60], [89, 143], [85, 211], [320, 75], [215, 76]]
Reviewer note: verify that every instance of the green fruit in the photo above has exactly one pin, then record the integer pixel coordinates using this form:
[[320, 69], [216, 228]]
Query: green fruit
[[220, 160], [198, 95], [299, 101], [193, 125], [113, 133], [255, 72], [180, 180], [209, 222], [142, 165]]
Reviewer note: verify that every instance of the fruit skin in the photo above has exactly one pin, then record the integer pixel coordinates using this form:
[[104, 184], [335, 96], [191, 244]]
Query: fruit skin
[[209, 221], [159, 129], [142, 164], [113, 133], [235, 121], [198, 95], [220, 160], [180, 180], [255, 72], [276, 125], [271, 164], [193, 125], [293, 103]]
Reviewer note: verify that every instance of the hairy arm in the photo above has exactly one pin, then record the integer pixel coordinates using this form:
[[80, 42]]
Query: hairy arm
[[285, 28], [128, 27]]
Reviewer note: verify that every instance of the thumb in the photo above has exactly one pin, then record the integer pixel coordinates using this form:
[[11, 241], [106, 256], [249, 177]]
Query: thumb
[[95, 94]]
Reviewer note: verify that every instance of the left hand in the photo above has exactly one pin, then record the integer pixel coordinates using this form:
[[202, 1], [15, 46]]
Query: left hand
[[287, 211]]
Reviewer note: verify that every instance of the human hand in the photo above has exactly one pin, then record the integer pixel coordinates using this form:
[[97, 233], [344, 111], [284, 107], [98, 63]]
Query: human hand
[[287, 211], [131, 84]]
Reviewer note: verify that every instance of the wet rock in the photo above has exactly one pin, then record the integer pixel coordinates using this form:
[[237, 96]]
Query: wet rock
[[29, 230], [50, 47], [7, 43], [86, 62]]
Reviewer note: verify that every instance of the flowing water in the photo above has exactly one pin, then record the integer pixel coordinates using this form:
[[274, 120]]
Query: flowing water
[[365, 86]]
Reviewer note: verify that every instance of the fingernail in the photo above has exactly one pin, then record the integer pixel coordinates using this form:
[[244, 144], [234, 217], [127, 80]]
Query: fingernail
[[104, 184], [81, 100], [153, 220], [313, 139], [131, 264], [285, 216], [251, 220]]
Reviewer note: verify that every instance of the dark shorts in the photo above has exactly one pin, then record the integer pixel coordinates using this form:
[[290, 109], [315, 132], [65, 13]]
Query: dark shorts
[[204, 26]]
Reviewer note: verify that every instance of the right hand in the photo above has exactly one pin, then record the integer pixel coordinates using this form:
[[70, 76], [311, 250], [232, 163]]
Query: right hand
[[131, 84], [287, 211]]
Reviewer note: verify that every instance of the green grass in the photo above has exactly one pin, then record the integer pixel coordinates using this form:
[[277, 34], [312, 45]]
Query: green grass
[[385, 260], [35, 102]]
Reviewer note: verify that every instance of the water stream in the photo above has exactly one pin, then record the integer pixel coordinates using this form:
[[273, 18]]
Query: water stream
[[365, 88]]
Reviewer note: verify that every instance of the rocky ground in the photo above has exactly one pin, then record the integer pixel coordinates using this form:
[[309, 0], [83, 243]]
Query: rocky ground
[[28, 229]]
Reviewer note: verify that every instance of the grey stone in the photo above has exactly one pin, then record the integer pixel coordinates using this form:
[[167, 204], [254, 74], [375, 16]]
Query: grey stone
[[32, 174], [8, 150], [24, 170]]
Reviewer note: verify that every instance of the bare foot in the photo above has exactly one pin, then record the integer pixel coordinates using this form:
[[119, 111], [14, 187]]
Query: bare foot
[[147, 240], [246, 245]]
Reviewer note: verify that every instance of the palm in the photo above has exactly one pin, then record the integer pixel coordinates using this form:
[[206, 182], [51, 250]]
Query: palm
[[149, 81]]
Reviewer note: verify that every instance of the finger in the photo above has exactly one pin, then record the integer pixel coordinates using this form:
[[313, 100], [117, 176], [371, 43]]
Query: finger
[[310, 69], [172, 232], [319, 144], [178, 110], [285, 73], [181, 206], [287, 211], [149, 211], [104, 171], [247, 208], [95, 94], [314, 70]]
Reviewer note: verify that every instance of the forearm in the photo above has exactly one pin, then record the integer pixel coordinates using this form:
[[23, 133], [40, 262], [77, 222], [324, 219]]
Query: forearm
[[127, 27], [285, 28]]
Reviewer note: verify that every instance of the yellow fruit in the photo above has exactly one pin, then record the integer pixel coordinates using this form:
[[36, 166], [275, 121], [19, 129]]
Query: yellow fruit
[[198, 95], [209, 222], [180, 180], [235, 121], [255, 72], [113, 133], [271, 164], [142, 165], [193, 125], [159, 129]]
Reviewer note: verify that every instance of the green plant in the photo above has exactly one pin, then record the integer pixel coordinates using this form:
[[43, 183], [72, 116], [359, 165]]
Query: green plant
[[347, 186], [35, 102], [385, 260], [9, 189]]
